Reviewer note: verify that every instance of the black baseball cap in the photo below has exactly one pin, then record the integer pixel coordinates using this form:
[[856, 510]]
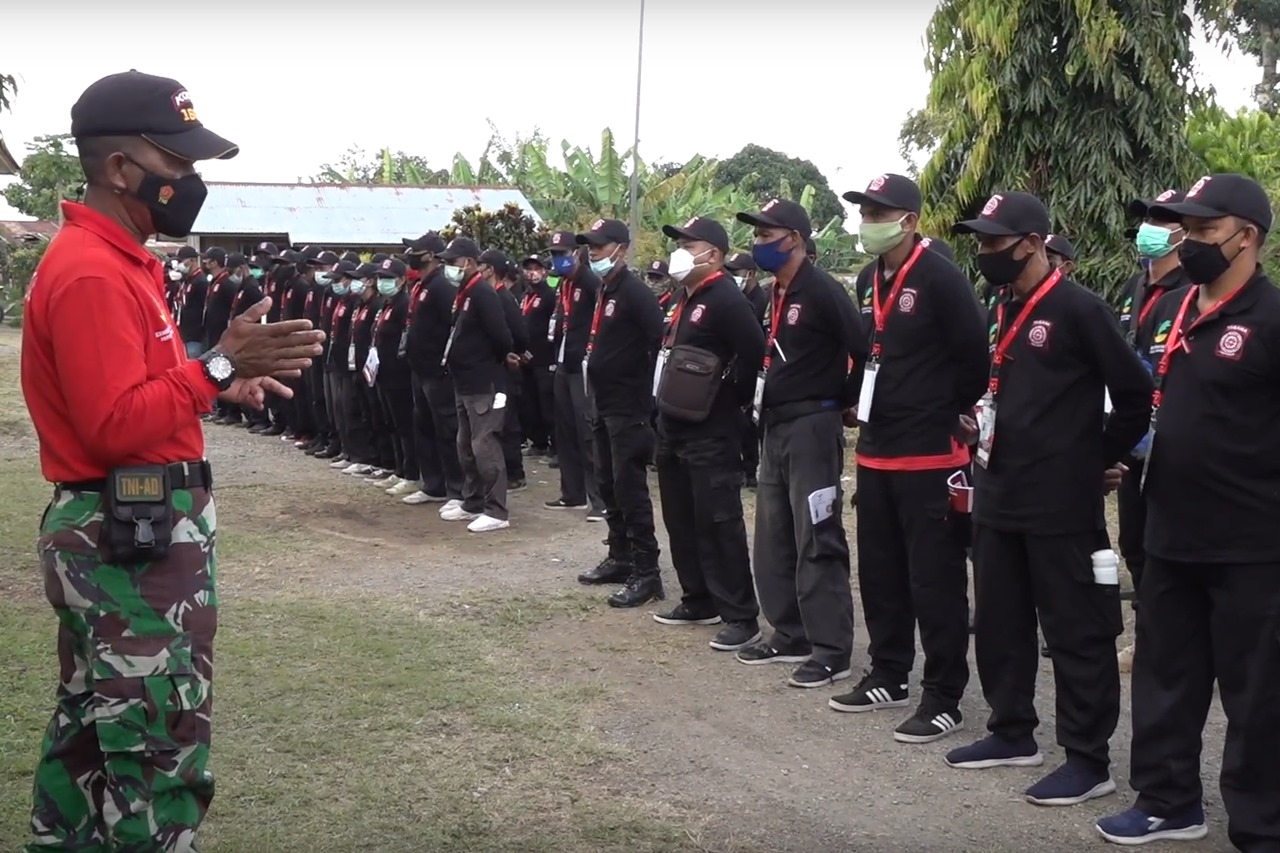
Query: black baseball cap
[[213, 253], [345, 269], [156, 108], [495, 258], [658, 268], [352, 258], [562, 241], [267, 250], [233, 260], [365, 271], [939, 246], [326, 258], [1060, 245], [379, 257], [1008, 214], [310, 254], [429, 243], [533, 259], [603, 232], [702, 229], [392, 268], [290, 256], [460, 247], [1140, 208], [780, 213], [186, 253], [897, 192], [740, 261], [1215, 196]]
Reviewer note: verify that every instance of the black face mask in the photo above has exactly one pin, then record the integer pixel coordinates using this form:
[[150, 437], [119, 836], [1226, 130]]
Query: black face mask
[[1205, 263], [1001, 268], [174, 203], [417, 262]]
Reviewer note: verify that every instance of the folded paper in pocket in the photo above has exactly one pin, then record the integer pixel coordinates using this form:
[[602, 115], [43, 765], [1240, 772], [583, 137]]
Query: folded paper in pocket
[[961, 493]]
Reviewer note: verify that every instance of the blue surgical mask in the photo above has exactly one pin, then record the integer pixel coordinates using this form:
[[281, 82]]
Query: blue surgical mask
[[769, 256], [454, 274], [357, 288], [562, 264], [340, 288], [324, 278], [603, 266], [386, 286]]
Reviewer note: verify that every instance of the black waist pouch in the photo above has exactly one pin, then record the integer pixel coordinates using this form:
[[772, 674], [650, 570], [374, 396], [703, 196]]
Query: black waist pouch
[[689, 383], [137, 515]]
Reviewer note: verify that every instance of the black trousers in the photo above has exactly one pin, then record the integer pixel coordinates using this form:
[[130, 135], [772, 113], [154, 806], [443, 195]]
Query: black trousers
[[333, 409], [512, 433], [1016, 577], [624, 446], [750, 445], [381, 430], [538, 406], [1133, 522], [359, 438], [435, 427], [1200, 623], [395, 391], [802, 566], [574, 442], [911, 567], [301, 419], [281, 410], [315, 390], [484, 483], [700, 482]]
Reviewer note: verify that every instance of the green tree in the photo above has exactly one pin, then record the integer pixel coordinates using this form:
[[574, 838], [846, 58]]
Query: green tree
[[509, 229], [18, 262], [1080, 103], [1255, 26], [8, 88], [50, 173], [356, 166], [762, 171]]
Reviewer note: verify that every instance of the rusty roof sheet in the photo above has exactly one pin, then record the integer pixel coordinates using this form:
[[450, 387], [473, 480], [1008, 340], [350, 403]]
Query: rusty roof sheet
[[13, 231], [342, 214], [8, 163]]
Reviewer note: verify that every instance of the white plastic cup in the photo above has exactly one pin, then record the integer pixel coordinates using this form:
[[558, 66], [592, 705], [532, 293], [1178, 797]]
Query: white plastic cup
[[1106, 567]]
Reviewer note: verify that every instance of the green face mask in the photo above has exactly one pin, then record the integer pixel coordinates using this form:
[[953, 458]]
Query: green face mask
[[1153, 241], [255, 272], [386, 286], [879, 237]]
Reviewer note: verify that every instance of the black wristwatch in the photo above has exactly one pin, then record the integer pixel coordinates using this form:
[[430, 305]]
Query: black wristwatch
[[219, 369]]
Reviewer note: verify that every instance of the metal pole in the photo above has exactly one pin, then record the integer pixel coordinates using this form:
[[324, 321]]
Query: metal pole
[[635, 146]]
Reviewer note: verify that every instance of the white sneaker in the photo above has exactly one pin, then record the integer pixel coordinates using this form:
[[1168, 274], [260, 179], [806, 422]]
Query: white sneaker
[[357, 470], [402, 488], [487, 524], [421, 497], [384, 482], [340, 462], [457, 513], [381, 473], [450, 506]]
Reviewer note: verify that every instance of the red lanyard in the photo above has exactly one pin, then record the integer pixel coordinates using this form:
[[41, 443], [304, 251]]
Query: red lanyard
[[459, 301], [777, 301], [1177, 338], [679, 309], [882, 310], [527, 306], [566, 304], [1149, 300], [1006, 341], [595, 322]]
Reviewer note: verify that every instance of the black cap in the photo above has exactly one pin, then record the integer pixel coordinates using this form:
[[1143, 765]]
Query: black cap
[[213, 253], [345, 269], [603, 232], [497, 259], [365, 271], [1140, 208], [658, 268], [780, 213], [893, 191], [1008, 214], [939, 246], [233, 260], [156, 108], [533, 259], [352, 258], [562, 241], [290, 256], [326, 258], [392, 268], [461, 247], [429, 243], [186, 253], [1215, 196], [310, 254], [810, 247], [741, 261], [703, 229], [1061, 246], [379, 257], [268, 250]]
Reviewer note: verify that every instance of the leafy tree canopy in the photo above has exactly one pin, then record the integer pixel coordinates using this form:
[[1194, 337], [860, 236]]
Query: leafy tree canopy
[[1255, 26], [356, 166], [50, 173], [762, 171]]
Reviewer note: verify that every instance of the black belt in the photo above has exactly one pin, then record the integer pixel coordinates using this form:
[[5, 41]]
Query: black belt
[[182, 475], [785, 412]]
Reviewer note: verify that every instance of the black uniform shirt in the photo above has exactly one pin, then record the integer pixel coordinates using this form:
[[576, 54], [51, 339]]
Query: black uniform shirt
[[718, 319], [1213, 477], [248, 294], [538, 307], [275, 288], [578, 291], [481, 340], [818, 331], [387, 329], [759, 299], [628, 332], [339, 349], [362, 329], [218, 300], [515, 320], [1050, 446], [191, 307], [1138, 296], [430, 316], [933, 361], [295, 298]]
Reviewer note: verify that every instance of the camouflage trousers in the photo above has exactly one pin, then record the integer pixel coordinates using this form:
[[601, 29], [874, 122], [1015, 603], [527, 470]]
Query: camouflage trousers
[[123, 763]]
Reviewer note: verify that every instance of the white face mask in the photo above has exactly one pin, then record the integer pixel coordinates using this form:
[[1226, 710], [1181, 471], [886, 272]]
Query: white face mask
[[742, 281], [682, 263]]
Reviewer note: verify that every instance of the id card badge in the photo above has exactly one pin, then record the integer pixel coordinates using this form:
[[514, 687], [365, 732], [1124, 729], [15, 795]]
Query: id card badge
[[1150, 442], [351, 357], [757, 399], [560, 354], [586, 388], [868, 392], [448, 345], [986, 429], [551, 328], [403, 346], [658, 368]]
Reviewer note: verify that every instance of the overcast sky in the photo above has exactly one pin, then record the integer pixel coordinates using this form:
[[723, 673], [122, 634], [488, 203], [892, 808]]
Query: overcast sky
[[295, 85]]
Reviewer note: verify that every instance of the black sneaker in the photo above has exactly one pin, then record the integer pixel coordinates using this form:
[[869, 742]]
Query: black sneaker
[[561, 503], [610, 570], [871, 694], [925, 726], [764, 653], [751, 482], [734, 636], [682, 614], [813, 674], [640, 589], [516, 485]]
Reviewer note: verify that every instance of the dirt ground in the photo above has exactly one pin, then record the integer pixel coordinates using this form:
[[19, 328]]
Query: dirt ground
[[766, 766]]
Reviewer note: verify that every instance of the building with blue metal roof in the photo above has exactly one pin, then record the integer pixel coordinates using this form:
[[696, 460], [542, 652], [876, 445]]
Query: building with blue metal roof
[[238, 216]]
